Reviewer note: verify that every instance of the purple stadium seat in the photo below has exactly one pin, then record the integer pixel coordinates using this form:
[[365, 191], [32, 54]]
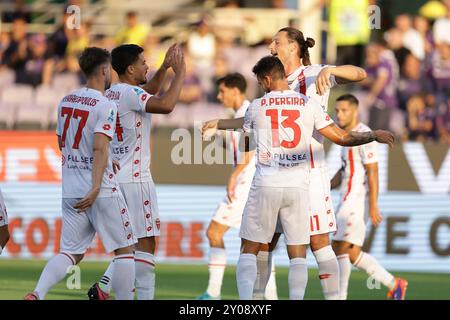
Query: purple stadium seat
[[11, 98]]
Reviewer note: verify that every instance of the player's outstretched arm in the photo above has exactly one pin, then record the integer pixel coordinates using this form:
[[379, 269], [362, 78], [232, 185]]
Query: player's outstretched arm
[[166, 103], [154, 84], [101, 155], [353, 138], [209, 128], [343, 74]]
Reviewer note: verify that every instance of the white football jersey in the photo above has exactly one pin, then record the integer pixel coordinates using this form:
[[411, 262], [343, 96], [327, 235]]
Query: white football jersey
[[303, 80], [283, 122], [353, 161], [81, 114], [131, 143]]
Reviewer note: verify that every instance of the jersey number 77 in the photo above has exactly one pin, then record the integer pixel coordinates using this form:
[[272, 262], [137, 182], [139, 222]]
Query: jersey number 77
[[75, 113]]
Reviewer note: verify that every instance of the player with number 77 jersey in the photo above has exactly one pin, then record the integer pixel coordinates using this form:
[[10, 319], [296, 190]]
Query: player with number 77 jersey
[[283, 122], [92, 202]]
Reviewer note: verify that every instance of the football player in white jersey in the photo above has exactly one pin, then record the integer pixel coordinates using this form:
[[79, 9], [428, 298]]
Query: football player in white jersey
[[228, 214], [4, 233], [359, 171], [283, 121], [131, 150], [91, 199], [291, 47]]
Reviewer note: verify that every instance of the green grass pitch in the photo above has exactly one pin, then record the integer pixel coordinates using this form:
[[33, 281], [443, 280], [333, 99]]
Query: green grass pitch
[[17, 277]]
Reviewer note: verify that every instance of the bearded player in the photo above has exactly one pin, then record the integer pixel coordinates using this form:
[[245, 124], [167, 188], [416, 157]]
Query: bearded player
[[290, 46], [131, 150], [358, 177], [283, 122]]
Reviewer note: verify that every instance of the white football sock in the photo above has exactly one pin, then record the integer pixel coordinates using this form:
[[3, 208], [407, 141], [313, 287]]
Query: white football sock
[[345, 269], [145, 275], [271, 287], [1, 249], [262, 276], [297, 278], [370, 265], [328, 272], [106, 279], [123, 276], [216, 266], [246, 275], [54, 271]]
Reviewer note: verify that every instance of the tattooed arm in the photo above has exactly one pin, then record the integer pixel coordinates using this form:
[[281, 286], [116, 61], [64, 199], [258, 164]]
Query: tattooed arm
[[352, 138]]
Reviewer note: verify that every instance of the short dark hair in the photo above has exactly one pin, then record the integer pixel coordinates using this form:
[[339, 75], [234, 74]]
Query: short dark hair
[[234, 80], [269, 66], [124, 56], [91, 58], [349, 98]]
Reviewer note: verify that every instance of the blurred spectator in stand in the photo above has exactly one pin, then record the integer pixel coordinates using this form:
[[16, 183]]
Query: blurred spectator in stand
[[18, 40], [420, 120], [21, 10], [441, 27], [381, 85], [201, 46], [134, 32], [411, 80], [394, 40], [412, 39], [422, 25], [443, 123], [192, 90], [27, 57], [5, 41], [78, 39], [155, 52], [30, 62], [348, 25], [440, 71], [57, 42], [221, 69]]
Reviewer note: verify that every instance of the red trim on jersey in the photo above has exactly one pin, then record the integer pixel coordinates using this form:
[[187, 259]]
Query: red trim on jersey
[[311, 156], [352, 172], [144, 261], [302, 82], [70, 257]]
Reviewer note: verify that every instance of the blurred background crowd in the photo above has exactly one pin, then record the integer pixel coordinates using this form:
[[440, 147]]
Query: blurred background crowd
[[406, 55]]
